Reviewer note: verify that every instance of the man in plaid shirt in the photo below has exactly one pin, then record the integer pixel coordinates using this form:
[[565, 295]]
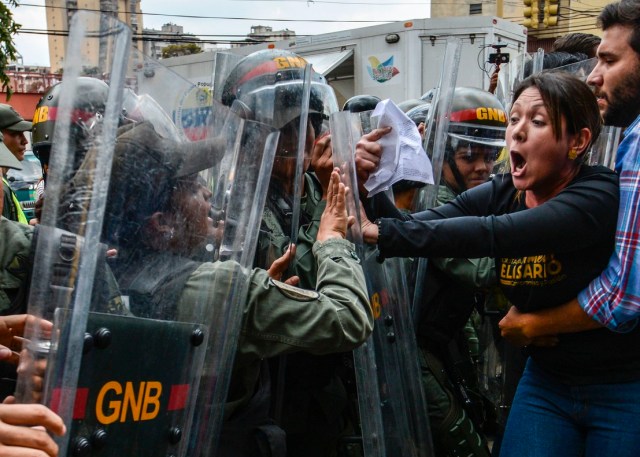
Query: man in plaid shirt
[[613, 298]]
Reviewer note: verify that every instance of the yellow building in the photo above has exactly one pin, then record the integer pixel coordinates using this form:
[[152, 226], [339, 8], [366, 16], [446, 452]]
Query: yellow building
[[545, 20], [59, 13]]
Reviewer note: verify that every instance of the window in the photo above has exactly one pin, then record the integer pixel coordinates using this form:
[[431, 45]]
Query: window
[[475, 8]]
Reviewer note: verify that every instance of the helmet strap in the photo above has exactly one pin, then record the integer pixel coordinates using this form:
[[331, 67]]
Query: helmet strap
[[461, 186]]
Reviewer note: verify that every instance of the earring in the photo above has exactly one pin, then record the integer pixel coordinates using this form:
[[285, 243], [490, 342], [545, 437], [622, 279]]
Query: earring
[[573, 154]]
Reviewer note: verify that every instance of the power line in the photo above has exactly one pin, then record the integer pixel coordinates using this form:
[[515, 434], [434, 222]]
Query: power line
[[191, 16], [183, 39]]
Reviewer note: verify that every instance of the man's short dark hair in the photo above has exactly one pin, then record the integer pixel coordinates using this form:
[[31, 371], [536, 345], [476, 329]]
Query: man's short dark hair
[[625, 13], [585, 43]]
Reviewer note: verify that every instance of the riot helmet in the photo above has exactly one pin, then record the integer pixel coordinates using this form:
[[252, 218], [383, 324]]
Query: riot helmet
[[360, 103], [477, 127], [420, 113], [267, 86], [91, 93], [411, 103]]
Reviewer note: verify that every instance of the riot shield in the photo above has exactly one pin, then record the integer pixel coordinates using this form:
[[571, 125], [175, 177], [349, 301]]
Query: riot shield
[[393, 409], [537, 62], [603, 151], [223, 63], [509, 77], [252, 147], [68, 265], [435, 144], [118, 321], [238, 182], [289, 96], [300, 153], [580, 70]]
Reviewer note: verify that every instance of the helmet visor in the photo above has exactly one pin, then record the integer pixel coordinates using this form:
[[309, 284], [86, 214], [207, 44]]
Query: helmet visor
[[279, 104], [470, 133]]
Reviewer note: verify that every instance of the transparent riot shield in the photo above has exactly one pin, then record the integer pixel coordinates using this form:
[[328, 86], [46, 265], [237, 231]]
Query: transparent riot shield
[[252, 147], [223, 63], [509, 77], [393, 409], [537, 62], [300, 153], [297, 104], [139, 356], [435, 145], [189, 106], [580, 70], [603, 151], [69, 258]]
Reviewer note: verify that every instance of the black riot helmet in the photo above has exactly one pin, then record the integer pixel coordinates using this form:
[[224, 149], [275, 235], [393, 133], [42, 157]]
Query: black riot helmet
[[92, 96], [360, 103], [267, 86]]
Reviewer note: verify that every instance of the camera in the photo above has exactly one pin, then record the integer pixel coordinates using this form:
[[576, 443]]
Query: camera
[[498, 58]]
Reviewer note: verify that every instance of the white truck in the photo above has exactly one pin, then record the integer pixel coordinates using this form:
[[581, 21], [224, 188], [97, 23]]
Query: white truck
[[399, 60]]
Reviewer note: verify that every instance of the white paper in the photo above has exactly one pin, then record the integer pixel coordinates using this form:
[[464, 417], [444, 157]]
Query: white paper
[[402, 154]]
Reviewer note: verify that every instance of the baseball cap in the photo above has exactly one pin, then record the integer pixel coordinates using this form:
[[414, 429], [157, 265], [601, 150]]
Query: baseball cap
[[11, 120], [7, 159]]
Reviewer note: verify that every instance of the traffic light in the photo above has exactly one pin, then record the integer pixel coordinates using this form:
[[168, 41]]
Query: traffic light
[[530, 12], [551, 8]]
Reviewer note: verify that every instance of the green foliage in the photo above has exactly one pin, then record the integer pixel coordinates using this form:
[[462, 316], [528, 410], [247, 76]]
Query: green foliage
[[175, 50], [8, 52]]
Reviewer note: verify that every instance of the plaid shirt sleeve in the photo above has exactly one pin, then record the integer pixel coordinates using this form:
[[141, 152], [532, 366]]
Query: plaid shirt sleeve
[[613, 299]]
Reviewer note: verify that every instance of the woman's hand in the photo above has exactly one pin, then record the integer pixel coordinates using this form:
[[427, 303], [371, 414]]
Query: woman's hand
[[369, 229], [335, 221], [368, 153]]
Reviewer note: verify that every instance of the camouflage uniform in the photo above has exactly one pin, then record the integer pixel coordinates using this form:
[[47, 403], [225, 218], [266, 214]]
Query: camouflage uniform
[[277, 319], [14, 255]]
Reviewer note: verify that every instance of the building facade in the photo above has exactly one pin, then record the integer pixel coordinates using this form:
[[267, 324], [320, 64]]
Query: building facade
[[59, 13], [546, 20]]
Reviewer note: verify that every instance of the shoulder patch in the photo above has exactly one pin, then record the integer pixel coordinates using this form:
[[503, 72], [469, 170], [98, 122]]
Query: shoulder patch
[[293, 292]]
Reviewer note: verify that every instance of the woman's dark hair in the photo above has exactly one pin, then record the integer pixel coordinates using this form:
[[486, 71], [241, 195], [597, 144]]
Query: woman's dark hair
[[625, 13], [566, 96]]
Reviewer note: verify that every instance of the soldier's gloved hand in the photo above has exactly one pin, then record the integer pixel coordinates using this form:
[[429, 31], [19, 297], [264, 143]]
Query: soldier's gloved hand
[[322, 161], [368, 153], [280, 265], [335, 221], [23, 430]]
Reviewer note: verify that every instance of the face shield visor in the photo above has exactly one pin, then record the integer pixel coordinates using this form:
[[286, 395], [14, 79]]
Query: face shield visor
[[281, 105], [471, 142]]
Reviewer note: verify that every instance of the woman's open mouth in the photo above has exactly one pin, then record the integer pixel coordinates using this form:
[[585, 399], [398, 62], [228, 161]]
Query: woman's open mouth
[[518, 163]]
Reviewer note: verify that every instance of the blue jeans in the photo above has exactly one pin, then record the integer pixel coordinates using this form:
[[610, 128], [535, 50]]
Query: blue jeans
[[552, 419]]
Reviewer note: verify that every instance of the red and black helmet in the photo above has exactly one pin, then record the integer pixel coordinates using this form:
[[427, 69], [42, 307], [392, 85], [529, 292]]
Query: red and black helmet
[[267, 85]]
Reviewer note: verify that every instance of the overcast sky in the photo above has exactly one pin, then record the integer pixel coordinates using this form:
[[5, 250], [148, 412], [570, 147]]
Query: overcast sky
[[34, 48]]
